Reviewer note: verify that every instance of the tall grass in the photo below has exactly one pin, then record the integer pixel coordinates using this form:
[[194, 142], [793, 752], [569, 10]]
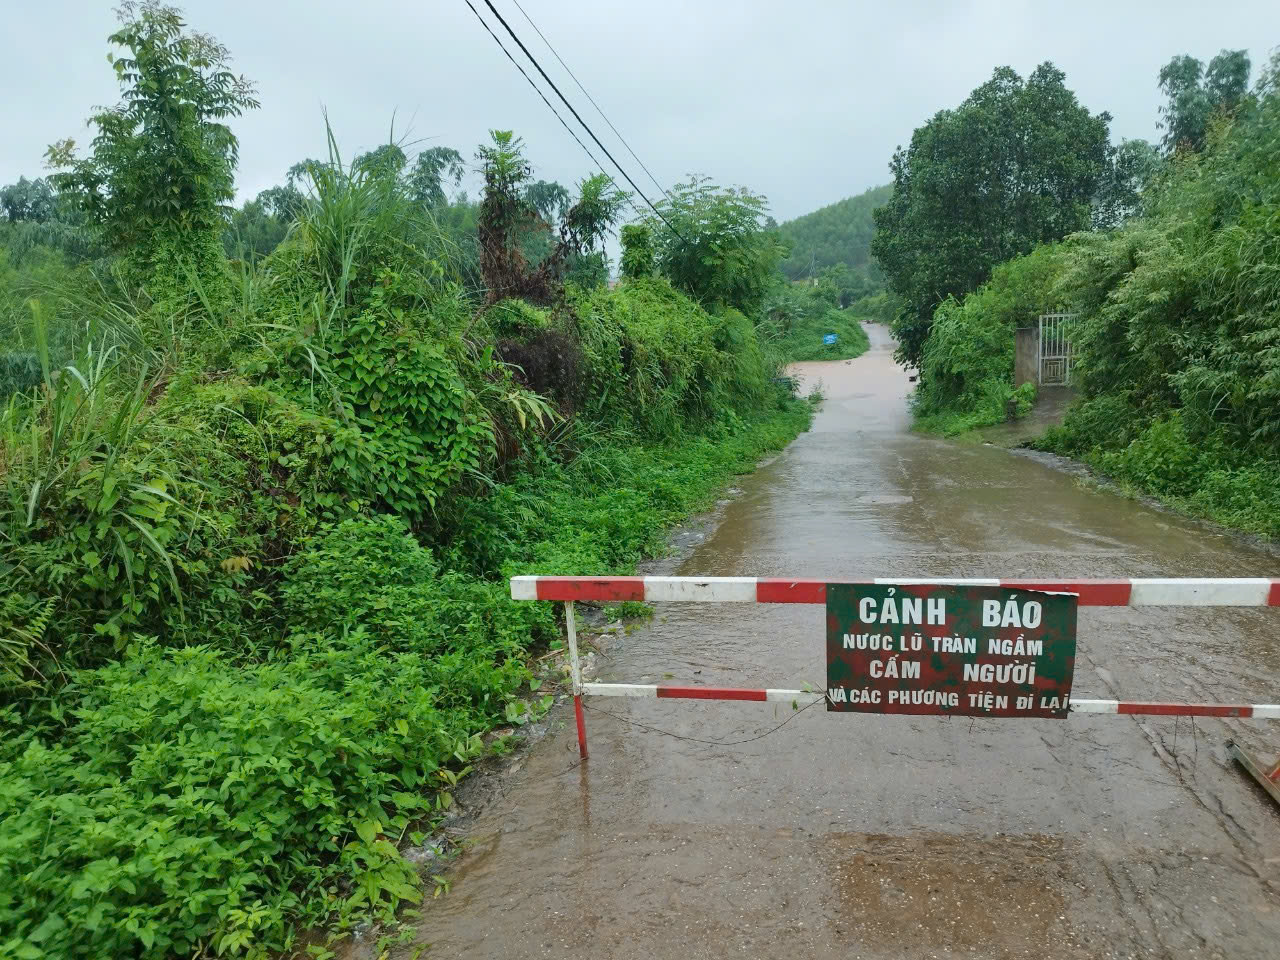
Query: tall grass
[[84, 491], [359, 219]]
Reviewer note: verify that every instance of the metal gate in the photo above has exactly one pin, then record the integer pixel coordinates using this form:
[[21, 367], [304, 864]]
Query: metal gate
[[1053, 350]]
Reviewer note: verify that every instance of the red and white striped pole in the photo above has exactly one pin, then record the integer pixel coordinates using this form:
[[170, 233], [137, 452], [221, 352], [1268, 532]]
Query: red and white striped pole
[[1127, 592], [575, 674], [1257, 711]]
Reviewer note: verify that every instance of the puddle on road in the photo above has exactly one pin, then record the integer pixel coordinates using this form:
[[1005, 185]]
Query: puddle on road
[[935, 891]]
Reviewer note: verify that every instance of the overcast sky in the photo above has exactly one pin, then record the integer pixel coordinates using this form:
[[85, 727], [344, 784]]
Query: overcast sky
[[802, 100]]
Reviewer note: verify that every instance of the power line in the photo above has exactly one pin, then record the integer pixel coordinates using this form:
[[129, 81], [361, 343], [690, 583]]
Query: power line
[[576, 115], [598, 165], [592, 99]]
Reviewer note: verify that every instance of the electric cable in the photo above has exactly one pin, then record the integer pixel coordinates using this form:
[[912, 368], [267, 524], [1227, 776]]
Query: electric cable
[[598, 165], [577, 116], [586, 94]]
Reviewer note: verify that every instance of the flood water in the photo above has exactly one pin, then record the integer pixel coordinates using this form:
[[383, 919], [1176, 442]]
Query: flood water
[[847, 835]]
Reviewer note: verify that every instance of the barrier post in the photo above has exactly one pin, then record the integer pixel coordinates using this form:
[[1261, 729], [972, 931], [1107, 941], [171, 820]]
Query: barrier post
[[575, 674]]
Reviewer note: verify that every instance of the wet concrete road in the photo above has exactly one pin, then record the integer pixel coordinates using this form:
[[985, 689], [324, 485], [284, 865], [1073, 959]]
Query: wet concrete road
[[850, 836]]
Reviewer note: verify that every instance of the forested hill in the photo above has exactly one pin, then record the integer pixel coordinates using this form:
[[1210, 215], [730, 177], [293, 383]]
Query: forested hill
[[838, 233]]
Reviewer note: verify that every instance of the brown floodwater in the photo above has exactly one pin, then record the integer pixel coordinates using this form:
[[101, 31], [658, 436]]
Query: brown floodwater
[[847, 835]]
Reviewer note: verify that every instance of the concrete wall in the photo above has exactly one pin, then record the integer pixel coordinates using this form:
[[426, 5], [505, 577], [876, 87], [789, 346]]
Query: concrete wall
[[1025, 343]]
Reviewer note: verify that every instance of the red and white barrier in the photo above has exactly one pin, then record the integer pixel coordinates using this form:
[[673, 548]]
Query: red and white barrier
[[1259, 711], [1133, 592]]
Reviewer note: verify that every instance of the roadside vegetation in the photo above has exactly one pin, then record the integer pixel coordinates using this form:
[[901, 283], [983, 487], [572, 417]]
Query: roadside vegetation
[[1168, 254], [264, 473], [835, 285], [799, 316]]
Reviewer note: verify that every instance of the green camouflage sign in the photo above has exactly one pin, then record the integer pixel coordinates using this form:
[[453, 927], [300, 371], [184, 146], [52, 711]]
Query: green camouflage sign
[[952, 650]]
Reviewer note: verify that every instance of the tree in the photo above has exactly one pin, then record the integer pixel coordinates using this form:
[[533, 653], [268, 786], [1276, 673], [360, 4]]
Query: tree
[[1015, 165], [28, 200], [837, 233], [549, 198], [714, 245], [387, 160], [1131, 168], [160, 174], [300, 172], [507, 214], [283, 203], [1197, 94], [434, 168], [262, 223], [424, 181], [550, 201]]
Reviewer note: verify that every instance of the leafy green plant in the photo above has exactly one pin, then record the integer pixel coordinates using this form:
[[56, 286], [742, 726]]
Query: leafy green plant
[[713, 244], [656, 360], [421, 431], [87, 497], [607, 508], [197, 805], [638, 255], [162, 161], [24, 621], [357, 221], [370, 575], [798, 316]]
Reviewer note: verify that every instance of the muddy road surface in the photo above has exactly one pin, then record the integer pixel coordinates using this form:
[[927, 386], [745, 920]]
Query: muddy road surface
[[842, 835]]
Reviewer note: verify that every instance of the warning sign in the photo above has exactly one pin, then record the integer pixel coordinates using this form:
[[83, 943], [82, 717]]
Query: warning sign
[[955, 650]]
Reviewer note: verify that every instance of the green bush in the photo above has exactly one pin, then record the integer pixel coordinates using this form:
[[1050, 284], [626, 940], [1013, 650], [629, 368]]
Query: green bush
[[715, 244], [797, 316], [637, 251], [966, 374], [655, 361], [1247, 498], [1111, 416], [608, 507], [370, 575], [880, 307], [191, 804], [1160, 460], [155, 509], [422, 431]]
